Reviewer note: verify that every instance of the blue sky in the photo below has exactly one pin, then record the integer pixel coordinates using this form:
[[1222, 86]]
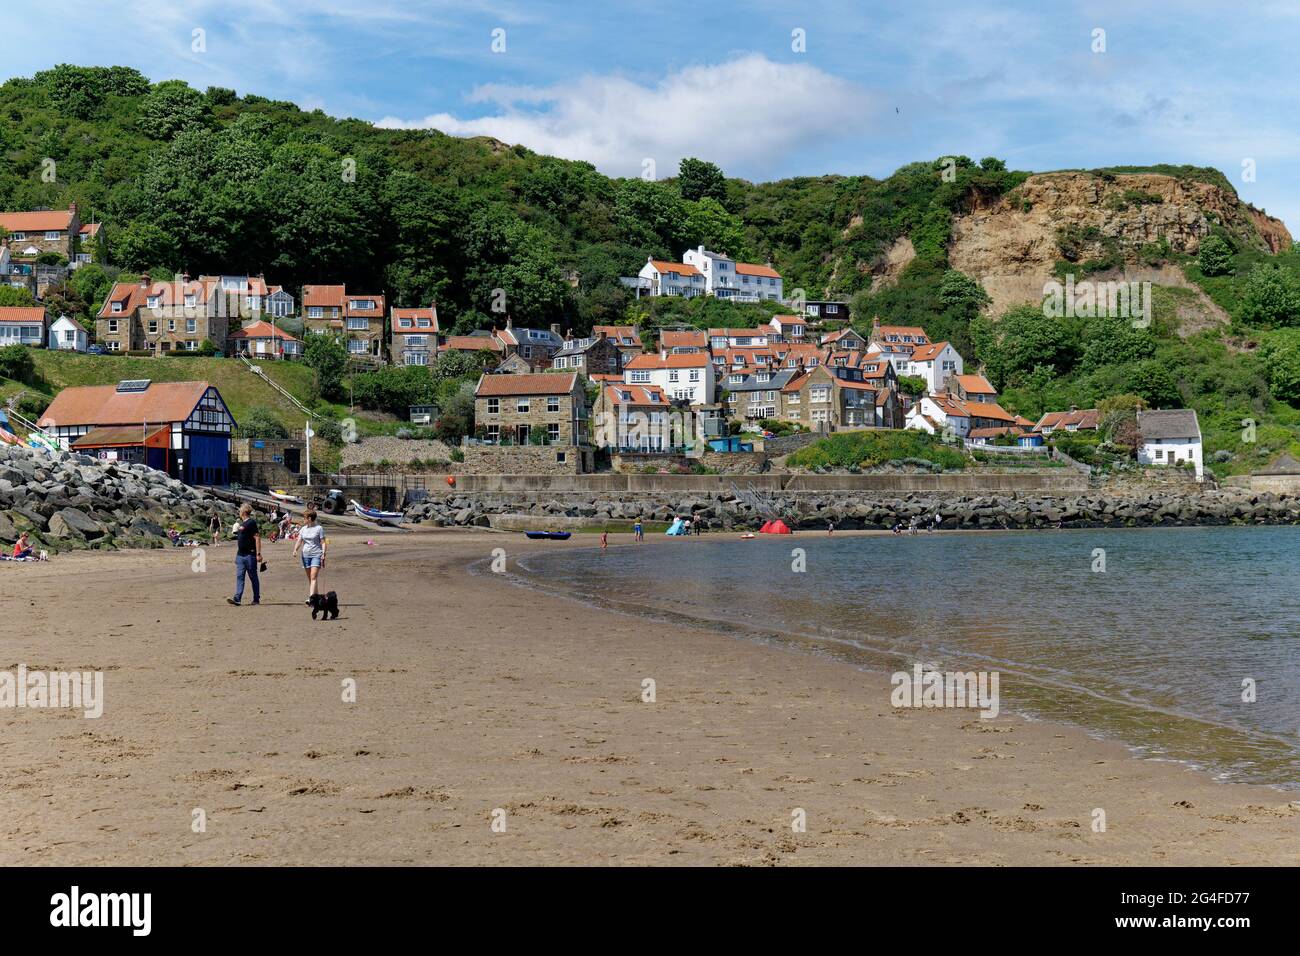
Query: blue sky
[[878, 85]]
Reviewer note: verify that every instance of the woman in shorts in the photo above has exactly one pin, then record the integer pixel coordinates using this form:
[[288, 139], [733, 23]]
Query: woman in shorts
[[314, 544]]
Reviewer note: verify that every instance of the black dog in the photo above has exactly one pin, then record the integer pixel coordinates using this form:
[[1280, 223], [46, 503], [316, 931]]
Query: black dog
[[327, 605]]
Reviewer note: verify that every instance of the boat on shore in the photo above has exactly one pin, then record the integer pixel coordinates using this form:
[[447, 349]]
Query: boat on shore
[[551, 535], [281, 495], [374, 514]]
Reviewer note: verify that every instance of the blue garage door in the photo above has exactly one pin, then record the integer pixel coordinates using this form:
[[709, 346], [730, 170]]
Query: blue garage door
[[208, 460]]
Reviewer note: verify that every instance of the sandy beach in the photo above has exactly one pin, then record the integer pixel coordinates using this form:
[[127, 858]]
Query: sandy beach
[[475, 695]]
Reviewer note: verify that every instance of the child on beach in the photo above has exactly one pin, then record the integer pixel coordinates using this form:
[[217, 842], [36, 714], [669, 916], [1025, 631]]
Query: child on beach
[[314, 544], [604, 540], [639, 535], [214, 526], [22, 547]]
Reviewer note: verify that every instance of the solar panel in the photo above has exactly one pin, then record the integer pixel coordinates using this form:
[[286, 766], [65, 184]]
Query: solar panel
[[133, 385]]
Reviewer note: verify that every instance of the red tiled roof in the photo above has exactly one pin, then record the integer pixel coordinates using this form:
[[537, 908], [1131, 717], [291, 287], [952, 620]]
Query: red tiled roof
[[752, 269], [679, 267], [913, 330], [761, 332], [21, 313], [263, 330], [539, 383], [620, 394], [104, 405], [324, 295], [975, 384], [927, 353], [838, 334], [995, 431], [48, 220], [692, 339], [1080, 418], [617, 333], [377, 312], [398, 315], [671, 360], [471, 343]]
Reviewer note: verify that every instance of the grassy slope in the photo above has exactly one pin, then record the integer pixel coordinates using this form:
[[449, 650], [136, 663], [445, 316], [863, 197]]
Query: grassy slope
[[238, 386]]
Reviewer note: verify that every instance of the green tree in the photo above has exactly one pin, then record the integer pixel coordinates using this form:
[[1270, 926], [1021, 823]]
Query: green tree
[[327, 356], [260, 422], [710, 225], [16, 363], [1114, 341], [912, 385], [1027, 338], [1271, 297], [456, 415], [1215, 256], [170, 107], [143, 245], [698, 179], [1280, 352], [13, 296]]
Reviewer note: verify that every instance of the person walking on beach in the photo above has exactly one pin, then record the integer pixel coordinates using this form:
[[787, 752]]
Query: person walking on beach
[[248, 555], [639, 534], [696, 525], [934, 525], [830, 528], [214, 525], [314, 544], [604, 539]]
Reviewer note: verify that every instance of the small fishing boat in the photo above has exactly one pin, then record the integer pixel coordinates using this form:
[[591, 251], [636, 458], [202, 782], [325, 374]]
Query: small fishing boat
[[552, 535], [374, 514], [282, 495], [748, 534]]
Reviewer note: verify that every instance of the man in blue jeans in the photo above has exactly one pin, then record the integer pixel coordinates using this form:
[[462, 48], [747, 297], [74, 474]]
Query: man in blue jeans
[[248, 554]]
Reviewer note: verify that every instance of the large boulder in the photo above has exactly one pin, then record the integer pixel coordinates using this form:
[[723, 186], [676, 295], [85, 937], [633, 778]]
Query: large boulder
[[71, 523]]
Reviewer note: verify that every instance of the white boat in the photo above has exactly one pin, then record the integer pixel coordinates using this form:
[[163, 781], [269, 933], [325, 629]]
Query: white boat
[[374, 514], [285, 496]]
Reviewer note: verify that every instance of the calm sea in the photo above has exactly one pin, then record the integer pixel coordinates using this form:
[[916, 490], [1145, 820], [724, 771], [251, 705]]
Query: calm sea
[[1152, 651]]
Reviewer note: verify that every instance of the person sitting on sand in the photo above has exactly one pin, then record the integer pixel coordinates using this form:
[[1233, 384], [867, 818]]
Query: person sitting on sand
[[22, 547]]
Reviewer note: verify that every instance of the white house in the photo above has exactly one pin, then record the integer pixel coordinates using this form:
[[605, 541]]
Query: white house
[[22, 325], [721, 339], [727, 279], [1170, 437], [933, 414], [671, 278], [934, 362], [789, 328], [684, 376], [67, 336]]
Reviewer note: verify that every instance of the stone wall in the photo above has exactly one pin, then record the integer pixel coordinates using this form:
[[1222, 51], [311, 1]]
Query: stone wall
[[371, 451], [500, 461]]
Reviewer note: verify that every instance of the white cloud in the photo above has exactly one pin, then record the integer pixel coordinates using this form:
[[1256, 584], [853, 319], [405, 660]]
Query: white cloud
[[748, 114]]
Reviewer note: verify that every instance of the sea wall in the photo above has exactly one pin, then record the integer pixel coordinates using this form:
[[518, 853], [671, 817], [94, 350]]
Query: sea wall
[[858, 509], [1053, 481]]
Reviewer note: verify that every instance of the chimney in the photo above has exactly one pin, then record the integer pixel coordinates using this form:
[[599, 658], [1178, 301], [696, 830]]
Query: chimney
[[185, 277], [555, 328], [144, 280], [875, 323], [1074, 408], [510, 322], [600, 333], [72, 209]]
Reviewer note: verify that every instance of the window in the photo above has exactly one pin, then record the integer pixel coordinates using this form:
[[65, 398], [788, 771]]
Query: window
[[53, 235], [171, 325], [561, 457], [819, 393], [153, 326], [735, 379], [672, 376], [494, 433], [638, 376], [494, 406], [695, 375], [363, 305], [114, 346], [423, 323], [417, 341], [521, 405], [153, 301], [553, 432], [191, 346], [553, 403], [18, 236], [417, 358], [357, 346], [117, 307], [191, 325], [793, 398], [112, 325], [191, 300], [315, 312], [358, 324]]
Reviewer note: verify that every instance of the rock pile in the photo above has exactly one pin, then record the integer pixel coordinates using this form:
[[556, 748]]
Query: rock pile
[[852, 510], [68, 501]]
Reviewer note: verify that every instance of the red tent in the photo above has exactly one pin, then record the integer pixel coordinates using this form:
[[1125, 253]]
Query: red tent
[[775, 527]]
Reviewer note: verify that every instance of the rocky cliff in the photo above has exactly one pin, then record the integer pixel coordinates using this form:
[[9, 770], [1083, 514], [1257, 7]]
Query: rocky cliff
[[1012, 245]]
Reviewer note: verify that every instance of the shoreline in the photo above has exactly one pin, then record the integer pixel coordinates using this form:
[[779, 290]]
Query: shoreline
[[477, 694], [835, 645]]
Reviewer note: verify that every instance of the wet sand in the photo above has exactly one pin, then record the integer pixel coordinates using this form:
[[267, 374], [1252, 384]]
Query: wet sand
[[474, 695]]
